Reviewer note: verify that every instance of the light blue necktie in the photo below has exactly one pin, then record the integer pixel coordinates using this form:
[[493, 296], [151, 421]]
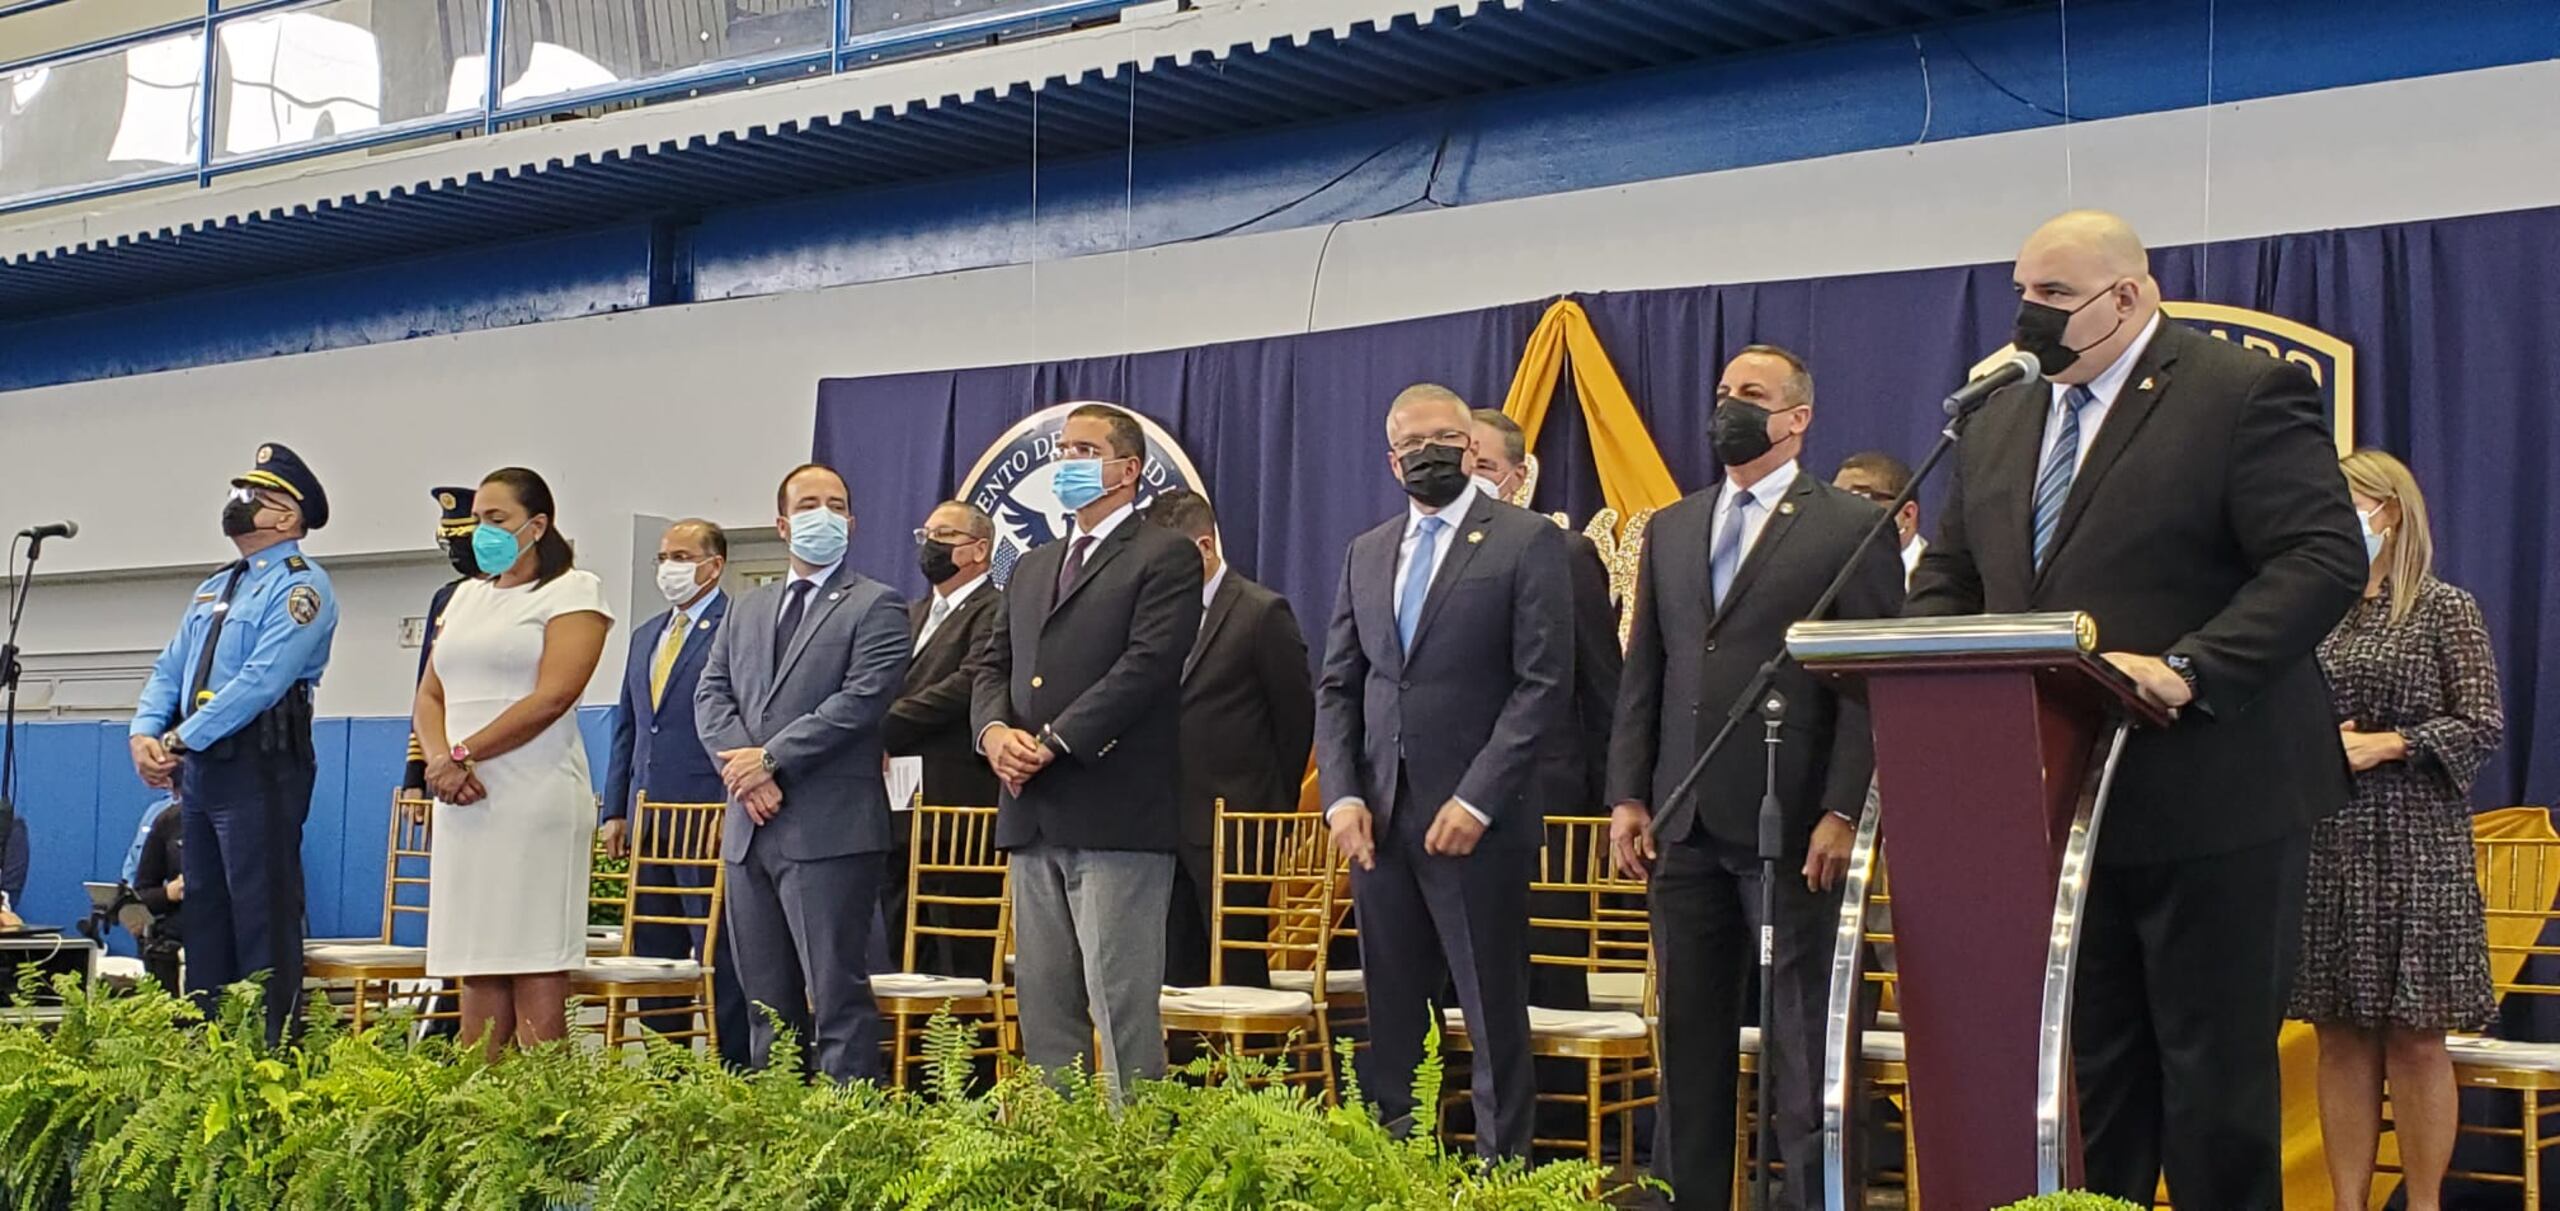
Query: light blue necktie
[[2053, 483], [1417, 581], [1726, 558]]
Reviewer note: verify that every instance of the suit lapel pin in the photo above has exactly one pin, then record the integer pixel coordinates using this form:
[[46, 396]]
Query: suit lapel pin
[[1475, 536], [1786, 506], [2144, 385], [835, 596], [703, 625]]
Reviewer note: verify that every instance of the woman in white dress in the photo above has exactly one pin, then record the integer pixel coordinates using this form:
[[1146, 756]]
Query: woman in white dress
[[515, 812]]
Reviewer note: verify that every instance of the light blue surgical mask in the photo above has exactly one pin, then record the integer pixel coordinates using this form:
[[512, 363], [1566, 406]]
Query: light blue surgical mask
[[1079, 482], [818, 536], [2372, 537], [496, 548]]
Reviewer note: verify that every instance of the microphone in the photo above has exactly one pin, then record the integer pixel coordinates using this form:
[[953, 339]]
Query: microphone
[[2019, 367], [58, 529]]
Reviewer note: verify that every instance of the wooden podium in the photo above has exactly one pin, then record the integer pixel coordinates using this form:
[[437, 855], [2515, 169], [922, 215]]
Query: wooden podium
[[1996, 741]]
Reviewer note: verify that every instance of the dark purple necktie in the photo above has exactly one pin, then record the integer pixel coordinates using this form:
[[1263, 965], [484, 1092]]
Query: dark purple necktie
[[1073, 568]]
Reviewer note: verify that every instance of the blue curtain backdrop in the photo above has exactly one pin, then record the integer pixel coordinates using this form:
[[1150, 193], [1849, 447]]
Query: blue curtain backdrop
[[2455, 324]]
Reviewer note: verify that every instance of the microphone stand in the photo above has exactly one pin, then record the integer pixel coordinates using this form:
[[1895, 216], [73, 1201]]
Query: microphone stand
[[1773, 846], [1761, 692], [9, 674]]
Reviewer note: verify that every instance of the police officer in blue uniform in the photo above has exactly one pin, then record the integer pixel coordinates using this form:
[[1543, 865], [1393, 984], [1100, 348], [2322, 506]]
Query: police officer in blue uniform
[[227, 717], [453, 533]]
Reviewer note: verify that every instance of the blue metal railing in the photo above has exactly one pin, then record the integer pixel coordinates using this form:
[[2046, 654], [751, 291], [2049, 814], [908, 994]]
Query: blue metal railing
[[846, 50]]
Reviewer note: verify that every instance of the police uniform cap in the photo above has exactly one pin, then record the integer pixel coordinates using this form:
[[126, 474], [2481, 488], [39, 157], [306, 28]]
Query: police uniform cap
[[457, 519], [279, 469]]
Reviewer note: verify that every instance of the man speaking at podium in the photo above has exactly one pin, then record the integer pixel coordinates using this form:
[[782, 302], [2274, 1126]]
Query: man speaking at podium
[[2184, 491]]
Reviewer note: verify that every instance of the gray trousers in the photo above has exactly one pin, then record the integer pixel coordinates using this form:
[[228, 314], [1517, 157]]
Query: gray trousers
[[799, 932], [1089, 956]]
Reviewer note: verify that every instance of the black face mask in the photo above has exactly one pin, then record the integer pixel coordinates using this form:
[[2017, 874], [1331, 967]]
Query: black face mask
[[457, 551], [1435, 475], [2040, 328], [1738, 432], [935, 561], [239, 517]]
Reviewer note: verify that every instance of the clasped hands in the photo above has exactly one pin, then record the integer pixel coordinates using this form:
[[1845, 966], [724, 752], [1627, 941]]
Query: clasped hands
[[1015, 755], [743, 771], [451, 783]]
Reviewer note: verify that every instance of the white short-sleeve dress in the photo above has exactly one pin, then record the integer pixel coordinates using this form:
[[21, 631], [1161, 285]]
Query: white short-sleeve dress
[[507, 882]]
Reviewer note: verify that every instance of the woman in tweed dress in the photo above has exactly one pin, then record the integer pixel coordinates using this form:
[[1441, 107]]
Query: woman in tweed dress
[[2394, 947]]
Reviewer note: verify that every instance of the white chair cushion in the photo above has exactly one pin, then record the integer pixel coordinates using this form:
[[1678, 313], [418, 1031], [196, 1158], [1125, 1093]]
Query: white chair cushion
[[1235, 999], [1334, 981], [365, 954], [1617, 990], [120, 968], [1879, 1046], [604, 942], [1569, 1023], [920, 985], [2504, 1053], [636, 969]]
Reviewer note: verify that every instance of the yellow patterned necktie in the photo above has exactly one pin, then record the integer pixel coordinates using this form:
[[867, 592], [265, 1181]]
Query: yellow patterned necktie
[[666, 663]]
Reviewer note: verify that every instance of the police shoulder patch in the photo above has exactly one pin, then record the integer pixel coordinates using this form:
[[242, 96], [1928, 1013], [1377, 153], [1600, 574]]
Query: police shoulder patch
[[297, 563], [303, 603]]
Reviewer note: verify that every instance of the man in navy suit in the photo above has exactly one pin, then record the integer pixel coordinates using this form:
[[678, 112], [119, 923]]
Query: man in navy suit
[[657, 752], [1448, 664]]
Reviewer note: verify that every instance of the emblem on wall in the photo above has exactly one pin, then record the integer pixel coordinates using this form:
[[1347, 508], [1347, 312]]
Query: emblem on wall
[[2331, 360], [1015, 481]]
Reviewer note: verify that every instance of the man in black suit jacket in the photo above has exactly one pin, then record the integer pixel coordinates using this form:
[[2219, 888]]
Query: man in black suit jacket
[[1725, 572], [930, 719], [2185, 492], [1248, 716], [1078, 708], [1447, 666]]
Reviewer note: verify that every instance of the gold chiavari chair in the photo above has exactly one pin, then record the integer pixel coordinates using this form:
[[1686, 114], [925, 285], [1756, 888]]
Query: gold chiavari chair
[[959, 893], [377, 971], [1287, 858], [666, 838], [2516, 858], [1884, 1073], [1614, 1045]]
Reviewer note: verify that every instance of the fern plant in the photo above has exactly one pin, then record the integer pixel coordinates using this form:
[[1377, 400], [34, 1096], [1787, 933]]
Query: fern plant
[[135, 1104]]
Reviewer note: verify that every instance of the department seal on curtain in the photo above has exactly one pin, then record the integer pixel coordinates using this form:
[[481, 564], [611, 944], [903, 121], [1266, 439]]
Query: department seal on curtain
[[1015, 480]]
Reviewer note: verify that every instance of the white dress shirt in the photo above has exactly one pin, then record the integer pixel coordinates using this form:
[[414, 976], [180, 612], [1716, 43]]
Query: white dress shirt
[[950, 604], [1911, 553], [1209, 592], [1452, 513], [2103, 391], [1765, 496], [817, 580]]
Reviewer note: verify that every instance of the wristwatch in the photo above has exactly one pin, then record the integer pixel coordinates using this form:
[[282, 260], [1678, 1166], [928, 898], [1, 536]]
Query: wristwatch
[[765, 757], [461, 755], [2185, 667], [170, 743]]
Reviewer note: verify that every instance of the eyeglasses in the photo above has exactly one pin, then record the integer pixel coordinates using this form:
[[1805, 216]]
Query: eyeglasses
[[1445, 437], [682, 557], [1878, 495], [1082, 450], [956, 538]]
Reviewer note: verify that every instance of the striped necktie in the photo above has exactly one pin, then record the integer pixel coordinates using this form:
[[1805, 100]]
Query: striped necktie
[[2053, 482]]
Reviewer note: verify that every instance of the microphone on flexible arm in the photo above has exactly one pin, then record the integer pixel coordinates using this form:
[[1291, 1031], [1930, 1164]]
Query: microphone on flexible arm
[[54, 529], [2019, 366]]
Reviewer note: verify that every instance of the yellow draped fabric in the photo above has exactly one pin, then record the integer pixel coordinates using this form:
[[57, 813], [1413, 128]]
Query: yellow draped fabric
[[1632, 475]]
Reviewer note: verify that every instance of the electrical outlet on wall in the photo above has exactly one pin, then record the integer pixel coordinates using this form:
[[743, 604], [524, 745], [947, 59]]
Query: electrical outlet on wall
[[413, 632]]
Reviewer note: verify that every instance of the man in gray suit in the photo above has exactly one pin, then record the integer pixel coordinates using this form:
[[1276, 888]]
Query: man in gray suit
[[1448, 663], [1078, 708], [790, 704]]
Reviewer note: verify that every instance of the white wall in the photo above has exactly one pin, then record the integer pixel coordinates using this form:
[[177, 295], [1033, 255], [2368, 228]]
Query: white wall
[[596, 403]]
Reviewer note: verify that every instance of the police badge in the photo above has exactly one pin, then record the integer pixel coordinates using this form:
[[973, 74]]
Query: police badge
[[303, 603]]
